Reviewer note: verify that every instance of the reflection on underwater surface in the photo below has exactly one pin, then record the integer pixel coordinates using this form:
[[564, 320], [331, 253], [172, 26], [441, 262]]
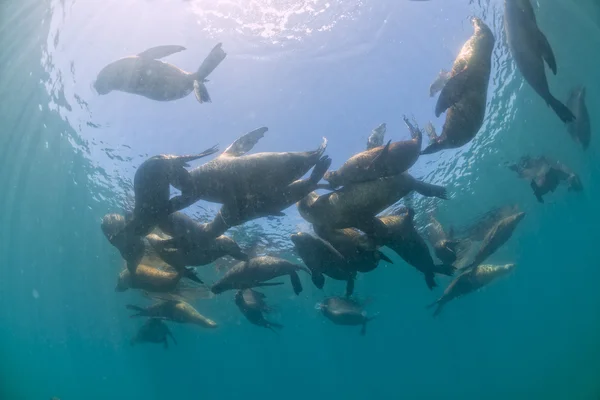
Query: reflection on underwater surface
[[305, 70]]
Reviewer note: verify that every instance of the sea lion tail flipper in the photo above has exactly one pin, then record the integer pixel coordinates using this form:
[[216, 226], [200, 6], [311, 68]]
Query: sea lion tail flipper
[[383, 257], [430, 190], [431, 132], [536, 192], [439, 82], [190, 273], [318, 279], [296, 284], [430, 280], [560, 109], [320, 169], [381, 158], [546, 52], [363, 329], [350, 287], [267, 284], [452, 91], [172, 337], [155, 53], [185, 159], [140, 311], [201, 92], [445, 269], [415, 132], [439, 304], [212, 61], [246, 142]]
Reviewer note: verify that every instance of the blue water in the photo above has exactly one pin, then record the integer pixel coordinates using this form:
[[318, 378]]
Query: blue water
[[306, 69]]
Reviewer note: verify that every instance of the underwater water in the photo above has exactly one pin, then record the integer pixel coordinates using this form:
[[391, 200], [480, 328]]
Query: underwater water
[[306, 69]]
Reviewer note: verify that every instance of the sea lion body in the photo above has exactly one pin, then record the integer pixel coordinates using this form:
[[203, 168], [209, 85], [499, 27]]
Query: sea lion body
[[131, 247], [322, 259], [464, 95], [345, 311], [470, 281], [580, 129], [405, 241], [146, 76], [252, 305], [358, 249], [176, 311], [530, 48], [355, 205], [150, 279], [392, 159], [256, 271], [154, 330]]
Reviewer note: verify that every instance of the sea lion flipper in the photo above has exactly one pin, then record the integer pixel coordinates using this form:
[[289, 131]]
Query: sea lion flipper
[[350, 286], [245, 143], [546, 52], [320, 169], [431, 133], [212, 61], [154, 53], [415, 132], [267, 284], [383, 257], [380, 159], [452, 91], [439, 82], [201, 92]]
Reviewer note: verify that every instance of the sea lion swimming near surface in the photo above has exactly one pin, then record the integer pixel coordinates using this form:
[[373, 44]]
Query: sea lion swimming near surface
[[131, 247], [464, 95], [546, 175], [145, 75], [580, 129], [404, 240], [322, 259], [361, 252], [530, 48], [355, 205], [153, 279], [389, 160], [234, 175], [477, 230], [470, 281], [252, 305], [345, 311], [154, 330], [376, 137], [151, 185], [176, 311], [256, 271]]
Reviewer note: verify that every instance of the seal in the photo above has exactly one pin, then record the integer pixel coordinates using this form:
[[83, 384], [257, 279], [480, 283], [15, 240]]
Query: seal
[[375, 139], [546, 175], [360, 251], [470, 281], [232, 176], [145, 75], [322, 259], [252, 305], [391, 159], [268, 203], [356, 205], [154, 330], [404, 240], [176, 311], [152, 191], [155, 280], [496, 238], [445, 248], [477, 230], [130, 246], [345, 311], [580, 129], [530, 48], [464, 95], [256, 271]]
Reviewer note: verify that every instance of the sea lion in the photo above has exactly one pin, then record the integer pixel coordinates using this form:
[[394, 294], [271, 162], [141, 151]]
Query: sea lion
[[477, 230], [233, 175], [256, 271], [154, 330], [152, 191], [131, 247], [268, 203], [470, 281], [355, 205], [530, 48], [153, 279], [439, 82], [404, 240], [323, 259], [546, 175], [496, 238], [176, 311], [344, 311], [252, 304], [376, 137], [389, 160], [145, 75], [360, 251], [580, 129], [444, 247], [464, 95]]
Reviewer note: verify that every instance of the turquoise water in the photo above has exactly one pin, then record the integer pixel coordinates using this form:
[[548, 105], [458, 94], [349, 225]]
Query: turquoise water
[[306, 69]]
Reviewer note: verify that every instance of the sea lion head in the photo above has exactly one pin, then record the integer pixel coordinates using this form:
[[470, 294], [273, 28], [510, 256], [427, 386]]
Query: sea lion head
[[482, 30], [574, 183], [331, 177], [112, 224], [305, 204], [110, 78], [231, 248], [302, 240]]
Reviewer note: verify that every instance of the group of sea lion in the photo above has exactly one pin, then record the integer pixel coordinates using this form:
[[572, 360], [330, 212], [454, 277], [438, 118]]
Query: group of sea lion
[[161, 245]]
